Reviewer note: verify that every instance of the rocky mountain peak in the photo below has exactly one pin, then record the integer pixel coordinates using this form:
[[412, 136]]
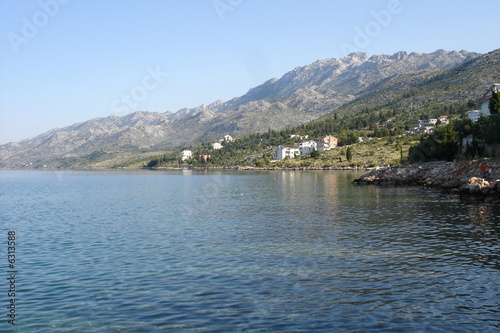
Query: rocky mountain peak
[[399, 55], [215, 105], [355, 57]]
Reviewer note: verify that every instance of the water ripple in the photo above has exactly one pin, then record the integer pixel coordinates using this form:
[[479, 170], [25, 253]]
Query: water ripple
[[270, 251]]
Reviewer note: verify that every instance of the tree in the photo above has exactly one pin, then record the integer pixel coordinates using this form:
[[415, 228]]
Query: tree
[[441, 145], [494, 102], [153, 163], [400, 148], [348, 154], [488, 129]]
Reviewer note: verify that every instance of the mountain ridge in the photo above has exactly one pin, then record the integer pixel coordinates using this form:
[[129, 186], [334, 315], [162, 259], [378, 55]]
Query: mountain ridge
[[301, 95]]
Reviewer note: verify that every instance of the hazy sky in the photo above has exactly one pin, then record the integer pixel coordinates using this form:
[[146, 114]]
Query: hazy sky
[[67, 61]]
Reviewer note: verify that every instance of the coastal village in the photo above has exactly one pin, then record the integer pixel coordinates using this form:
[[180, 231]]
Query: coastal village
[[305, 145]]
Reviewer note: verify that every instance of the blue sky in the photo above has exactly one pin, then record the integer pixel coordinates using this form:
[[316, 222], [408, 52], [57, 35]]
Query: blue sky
[[67, 61]]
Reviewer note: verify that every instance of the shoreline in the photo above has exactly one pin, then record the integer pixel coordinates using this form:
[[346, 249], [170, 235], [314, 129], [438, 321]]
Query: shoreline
[[242, 168], [250, 168], [462, 178]]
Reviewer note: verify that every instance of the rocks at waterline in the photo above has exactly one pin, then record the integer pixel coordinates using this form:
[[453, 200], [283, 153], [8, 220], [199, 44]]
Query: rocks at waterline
[[464, 178]]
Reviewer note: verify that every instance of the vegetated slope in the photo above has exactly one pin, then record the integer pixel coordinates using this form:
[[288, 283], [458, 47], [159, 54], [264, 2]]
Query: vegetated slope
[[301, 95]]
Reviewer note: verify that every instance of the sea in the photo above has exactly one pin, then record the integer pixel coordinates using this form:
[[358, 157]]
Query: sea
[[242, 251]]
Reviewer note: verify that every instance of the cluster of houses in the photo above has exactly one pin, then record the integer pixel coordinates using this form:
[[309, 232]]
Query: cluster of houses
[[188, 154], [283, 151], [322, 144], [218, 145], [427, 125]]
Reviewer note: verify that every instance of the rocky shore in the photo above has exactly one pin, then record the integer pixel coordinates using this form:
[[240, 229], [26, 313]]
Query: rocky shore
[[460, 178]]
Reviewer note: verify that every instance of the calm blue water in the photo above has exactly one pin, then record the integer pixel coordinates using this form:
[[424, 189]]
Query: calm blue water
[[244, 251]]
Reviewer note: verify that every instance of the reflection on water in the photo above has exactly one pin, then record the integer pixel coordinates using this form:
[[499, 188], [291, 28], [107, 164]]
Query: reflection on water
[[236, 251], [480, 216]]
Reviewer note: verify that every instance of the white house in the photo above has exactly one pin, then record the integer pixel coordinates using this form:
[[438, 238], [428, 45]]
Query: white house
[[307, 147], [228, 138], [431, 122], [426, 122], [217, 145], [485, 100], [300, 137], [286, 151], [185, 155]]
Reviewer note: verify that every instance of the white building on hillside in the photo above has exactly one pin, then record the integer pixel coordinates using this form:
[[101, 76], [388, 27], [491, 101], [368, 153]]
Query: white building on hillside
[[426, 122], [283, 152], [427, 125], [307, 147], [485, 100], [185, 155], [299, 137], [216, 145]]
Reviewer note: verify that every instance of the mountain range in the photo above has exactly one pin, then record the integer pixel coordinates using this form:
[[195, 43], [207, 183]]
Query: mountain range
[[300, 96]]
